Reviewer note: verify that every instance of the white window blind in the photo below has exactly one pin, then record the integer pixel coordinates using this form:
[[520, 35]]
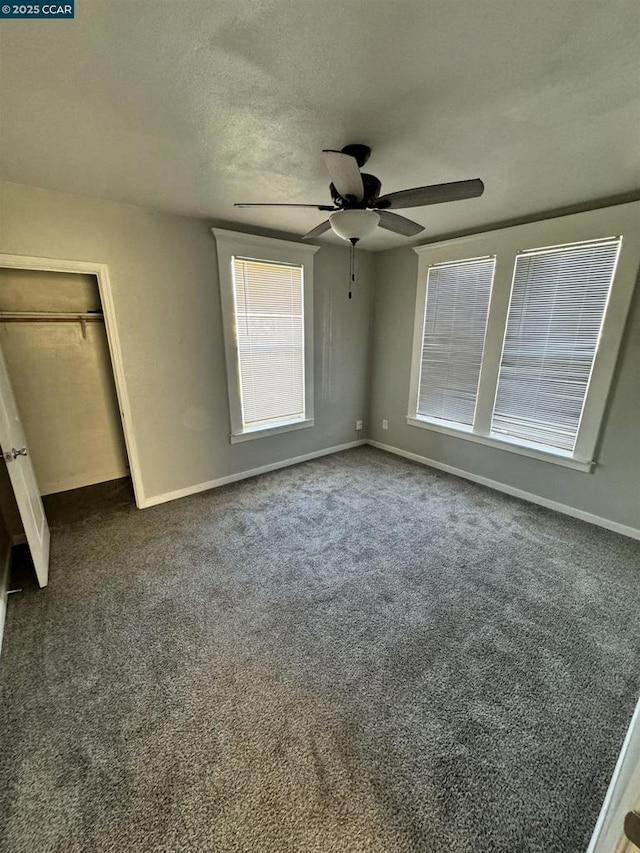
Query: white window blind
[[455, 323], [558, 301], [270, 333]]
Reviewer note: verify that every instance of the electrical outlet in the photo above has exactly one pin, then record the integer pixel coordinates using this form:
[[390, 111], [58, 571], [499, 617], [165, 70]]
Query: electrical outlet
[[358, 425], [385, 424]]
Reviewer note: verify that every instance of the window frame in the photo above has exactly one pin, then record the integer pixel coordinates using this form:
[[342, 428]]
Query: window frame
[[232, 244], [506, 244]]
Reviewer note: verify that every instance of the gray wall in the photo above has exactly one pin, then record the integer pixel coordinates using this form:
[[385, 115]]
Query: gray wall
[[164, 277], [611, 491]]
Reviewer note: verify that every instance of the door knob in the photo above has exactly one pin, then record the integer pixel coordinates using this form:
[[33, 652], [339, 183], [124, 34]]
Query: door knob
[[632, 827], [15, 453]]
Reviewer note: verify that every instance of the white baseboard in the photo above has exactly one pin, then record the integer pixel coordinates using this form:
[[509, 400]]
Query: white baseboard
[[616, 527], [624, 529], [243, 475]]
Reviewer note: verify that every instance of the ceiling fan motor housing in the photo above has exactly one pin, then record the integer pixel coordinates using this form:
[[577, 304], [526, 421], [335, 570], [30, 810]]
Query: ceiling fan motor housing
[[372, 187]]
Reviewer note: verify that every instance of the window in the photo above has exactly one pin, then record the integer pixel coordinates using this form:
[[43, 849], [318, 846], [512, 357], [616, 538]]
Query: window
[[269, 319], [266, 289], [558, 301], [517, 333], [455, 321]]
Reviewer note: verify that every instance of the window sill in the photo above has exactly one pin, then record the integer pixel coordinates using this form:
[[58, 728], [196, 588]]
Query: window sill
[[264, 432], [509, 445]]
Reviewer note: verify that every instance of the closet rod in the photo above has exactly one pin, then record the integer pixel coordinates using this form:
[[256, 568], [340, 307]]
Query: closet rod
[[51, 317], [48, 317]]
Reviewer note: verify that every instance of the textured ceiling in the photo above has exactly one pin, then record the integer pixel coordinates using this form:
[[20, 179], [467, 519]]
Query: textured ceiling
[[188, 106]]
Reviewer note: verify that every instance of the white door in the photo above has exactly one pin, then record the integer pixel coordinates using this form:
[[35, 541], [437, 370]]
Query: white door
[[23, 478], [623, 798]]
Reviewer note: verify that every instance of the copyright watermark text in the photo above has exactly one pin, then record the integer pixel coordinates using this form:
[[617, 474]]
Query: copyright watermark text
[[37, 10]]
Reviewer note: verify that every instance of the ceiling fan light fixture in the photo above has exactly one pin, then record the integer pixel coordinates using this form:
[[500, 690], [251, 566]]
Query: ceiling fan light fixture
[[354, 224]]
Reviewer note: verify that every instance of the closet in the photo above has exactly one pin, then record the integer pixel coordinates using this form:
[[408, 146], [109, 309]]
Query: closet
[[54, 342]]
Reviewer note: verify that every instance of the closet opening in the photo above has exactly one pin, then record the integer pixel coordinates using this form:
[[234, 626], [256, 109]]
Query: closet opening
[[63, 386]]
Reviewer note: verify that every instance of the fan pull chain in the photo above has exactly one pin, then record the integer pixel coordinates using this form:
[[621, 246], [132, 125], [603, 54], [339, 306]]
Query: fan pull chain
[[352, 264]]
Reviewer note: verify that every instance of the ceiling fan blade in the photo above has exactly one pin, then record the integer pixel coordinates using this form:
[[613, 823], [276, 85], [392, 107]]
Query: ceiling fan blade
[[435, 194], [277, 204], [344, 173], [319, 229], [399, 224]]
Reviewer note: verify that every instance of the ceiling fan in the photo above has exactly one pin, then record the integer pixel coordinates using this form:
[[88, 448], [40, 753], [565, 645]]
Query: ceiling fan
[[358, 208]]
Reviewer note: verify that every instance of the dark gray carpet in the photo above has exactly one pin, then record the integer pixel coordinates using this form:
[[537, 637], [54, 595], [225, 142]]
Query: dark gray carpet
[[355, 654]]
